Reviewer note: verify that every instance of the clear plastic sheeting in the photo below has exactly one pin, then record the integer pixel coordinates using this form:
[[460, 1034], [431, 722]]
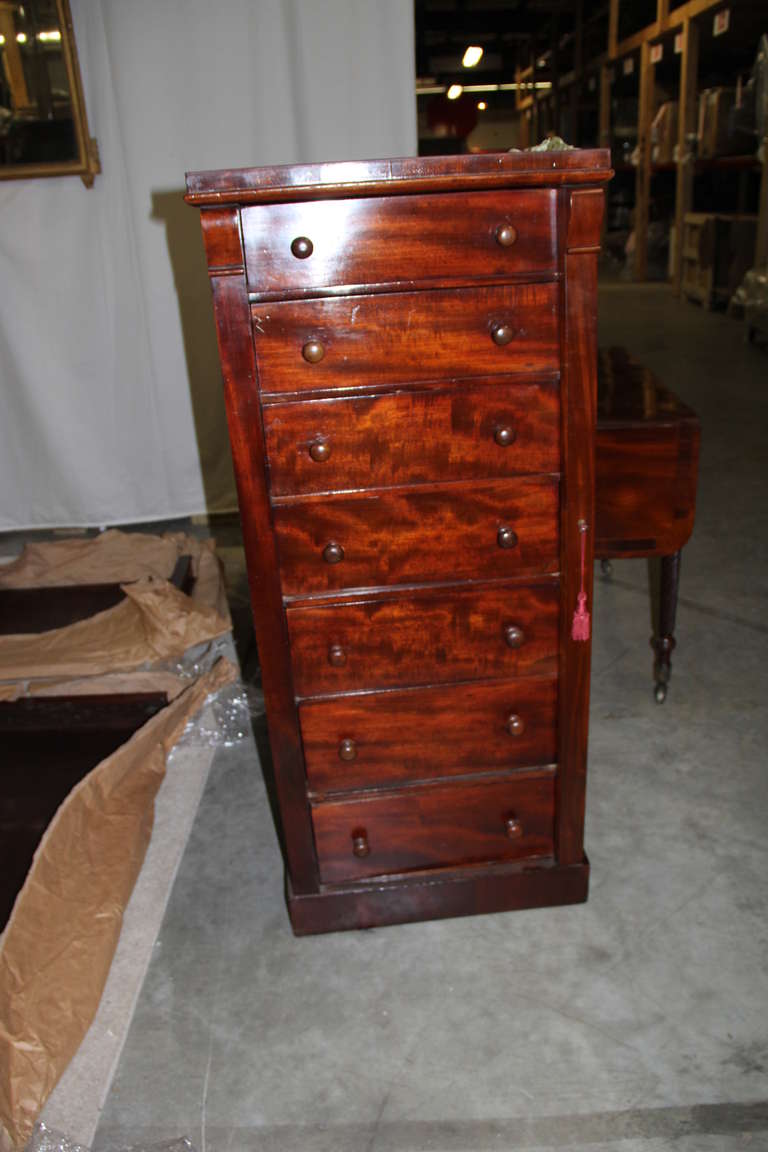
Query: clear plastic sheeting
[[196, 661], [227, 721], [45, 1139], [750, 302]]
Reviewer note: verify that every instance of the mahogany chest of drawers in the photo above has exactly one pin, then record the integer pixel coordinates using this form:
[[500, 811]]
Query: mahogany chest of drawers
[[409, 363]]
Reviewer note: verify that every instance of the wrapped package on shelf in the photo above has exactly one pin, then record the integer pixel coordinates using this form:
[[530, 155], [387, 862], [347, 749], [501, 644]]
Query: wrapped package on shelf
[[726, 122], [718, 249], [750, 302], [664, 133]]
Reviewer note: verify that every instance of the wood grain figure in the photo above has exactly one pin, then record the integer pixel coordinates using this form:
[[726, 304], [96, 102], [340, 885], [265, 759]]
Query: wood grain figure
[[409, 365]]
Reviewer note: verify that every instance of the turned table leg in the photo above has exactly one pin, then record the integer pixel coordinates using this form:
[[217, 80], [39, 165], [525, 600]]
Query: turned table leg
[[663, 640]]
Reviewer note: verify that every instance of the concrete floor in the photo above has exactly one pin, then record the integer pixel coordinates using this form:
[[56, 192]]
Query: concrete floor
[[638, 1021]]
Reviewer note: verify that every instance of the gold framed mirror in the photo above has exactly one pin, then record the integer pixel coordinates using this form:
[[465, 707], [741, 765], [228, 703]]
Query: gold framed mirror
[[43, 122]]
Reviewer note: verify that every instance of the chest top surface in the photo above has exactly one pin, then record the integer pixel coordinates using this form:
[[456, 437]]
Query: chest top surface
[[403, 175]]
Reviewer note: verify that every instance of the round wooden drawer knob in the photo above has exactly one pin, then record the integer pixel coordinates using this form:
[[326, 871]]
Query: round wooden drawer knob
[[506, 235], [360, 845], [347, 750], [333, 553], [513, 828], [313, 351], [504, 436], [506, 537], [502, 334], [514, 636], [337, 656], [320, 451], [515, 725], [302, 247]]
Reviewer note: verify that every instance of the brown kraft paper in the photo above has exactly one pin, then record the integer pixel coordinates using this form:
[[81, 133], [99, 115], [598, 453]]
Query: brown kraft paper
[[58, 945], [116, 557], [154, 622]]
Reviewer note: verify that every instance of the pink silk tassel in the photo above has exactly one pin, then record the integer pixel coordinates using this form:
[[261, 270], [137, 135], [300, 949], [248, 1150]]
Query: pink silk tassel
[[580, 622]]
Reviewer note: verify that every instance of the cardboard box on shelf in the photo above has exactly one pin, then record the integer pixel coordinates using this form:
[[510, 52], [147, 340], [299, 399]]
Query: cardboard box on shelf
[[664, 133], [717, 251], [726, 122]]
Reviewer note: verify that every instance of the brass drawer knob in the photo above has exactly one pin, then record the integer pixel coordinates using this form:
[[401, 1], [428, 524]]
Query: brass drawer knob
[[514, 636], [333, 553], [337, 656], [513, 828], [506, 537], [506, 235], [320, 451], [515, 725], [313, 351], [360, 845], [502, 334], [347, 750], [302, 247], [504, 436]]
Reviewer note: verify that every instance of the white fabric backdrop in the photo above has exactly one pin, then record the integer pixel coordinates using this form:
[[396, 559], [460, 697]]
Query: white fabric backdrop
[[110, 399]]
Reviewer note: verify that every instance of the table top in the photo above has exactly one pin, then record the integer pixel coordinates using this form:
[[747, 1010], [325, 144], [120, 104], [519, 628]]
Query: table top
[[628, 393]]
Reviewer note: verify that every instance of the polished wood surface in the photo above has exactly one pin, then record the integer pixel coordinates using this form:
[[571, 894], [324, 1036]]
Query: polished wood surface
[[646, 460], [578, 402], [428, 827], [233, 326], [497, 429], [398, 241], [404, 337], [434, 532], [422, 638], [406, 735], [402, 176], [409, 364], [499, 887]]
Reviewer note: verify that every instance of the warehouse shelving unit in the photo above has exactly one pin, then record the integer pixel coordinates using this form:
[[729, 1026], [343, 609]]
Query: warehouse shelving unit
[[605, 80]]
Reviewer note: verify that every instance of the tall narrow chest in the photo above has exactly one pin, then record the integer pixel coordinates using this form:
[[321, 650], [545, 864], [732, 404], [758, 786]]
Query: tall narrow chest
[[409, 363]]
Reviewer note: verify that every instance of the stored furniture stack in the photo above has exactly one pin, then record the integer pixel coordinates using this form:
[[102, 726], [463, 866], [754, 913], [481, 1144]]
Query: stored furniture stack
[[409, 362]]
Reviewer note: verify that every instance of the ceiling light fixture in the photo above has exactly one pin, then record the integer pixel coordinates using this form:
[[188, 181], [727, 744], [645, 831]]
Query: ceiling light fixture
[[21, 37], [523, 86], [454, 91], [481, 105], [472, 56], [52, 37]]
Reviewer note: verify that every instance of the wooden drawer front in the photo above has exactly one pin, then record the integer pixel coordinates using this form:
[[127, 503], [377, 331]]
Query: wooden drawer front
[[453, 824], [400, 240], [422, 733], [449, 532], [429, 638], [404, 337], [493, 429]]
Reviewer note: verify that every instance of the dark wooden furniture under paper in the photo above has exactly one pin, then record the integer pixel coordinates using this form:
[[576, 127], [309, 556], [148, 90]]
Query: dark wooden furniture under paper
[[409, 362]]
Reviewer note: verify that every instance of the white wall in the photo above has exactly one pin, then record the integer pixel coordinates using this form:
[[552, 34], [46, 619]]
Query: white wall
[[110, 400]]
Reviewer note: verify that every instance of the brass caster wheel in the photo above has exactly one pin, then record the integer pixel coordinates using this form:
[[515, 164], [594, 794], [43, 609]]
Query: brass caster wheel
[[660, 693]]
